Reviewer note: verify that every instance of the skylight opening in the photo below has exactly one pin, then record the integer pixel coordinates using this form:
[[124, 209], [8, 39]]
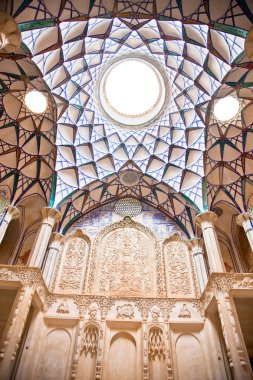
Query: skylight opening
[[132, 91], [36, 102], [227, 108]]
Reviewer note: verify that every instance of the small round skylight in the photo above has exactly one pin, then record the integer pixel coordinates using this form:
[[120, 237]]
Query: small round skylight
[[132, 91], [128, 207], [36, 102], [226, 108]]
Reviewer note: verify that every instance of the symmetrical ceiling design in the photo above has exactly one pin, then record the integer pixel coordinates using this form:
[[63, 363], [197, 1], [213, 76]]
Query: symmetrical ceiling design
[[186, 154]]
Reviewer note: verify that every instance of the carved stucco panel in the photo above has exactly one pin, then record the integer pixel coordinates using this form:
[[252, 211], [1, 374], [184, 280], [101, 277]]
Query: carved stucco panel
[[179, 268], [126, 260], [72, 268]]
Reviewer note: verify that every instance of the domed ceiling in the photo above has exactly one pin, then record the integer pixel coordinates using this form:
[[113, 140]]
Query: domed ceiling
[[185, 160]]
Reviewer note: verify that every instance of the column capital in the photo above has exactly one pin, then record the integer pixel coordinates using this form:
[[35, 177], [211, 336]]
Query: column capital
[[12, 213], [50, 215], [243, 219], [207, 218], [56, 239], [196, 245]]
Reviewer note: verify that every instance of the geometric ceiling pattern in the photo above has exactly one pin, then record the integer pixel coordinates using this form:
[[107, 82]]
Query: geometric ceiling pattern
[[200, 49], [27, 150]]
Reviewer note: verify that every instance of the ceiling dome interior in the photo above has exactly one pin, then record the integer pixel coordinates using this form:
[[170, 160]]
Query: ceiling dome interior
[[76, 149]]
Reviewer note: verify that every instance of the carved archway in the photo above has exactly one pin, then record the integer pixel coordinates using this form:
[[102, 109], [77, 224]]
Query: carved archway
[[126, 260]]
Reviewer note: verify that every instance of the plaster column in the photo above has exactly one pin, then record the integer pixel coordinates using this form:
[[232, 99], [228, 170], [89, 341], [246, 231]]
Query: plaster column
[[196, 246], [235, 346], [206, 222], [12, 213], [52, 255], [49, 217]]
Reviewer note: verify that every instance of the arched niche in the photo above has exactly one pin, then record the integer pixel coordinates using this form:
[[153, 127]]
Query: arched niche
[[55, 355], [190, 358], [244, 248], [9, 241], [30, 220], [122, 357], [71, 270], [226, 251], [156, 354], [181, 280], [126, 260], [86, 369], [226, 227]]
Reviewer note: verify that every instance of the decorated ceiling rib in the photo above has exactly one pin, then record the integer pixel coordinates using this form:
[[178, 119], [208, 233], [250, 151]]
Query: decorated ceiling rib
[[199, 46]]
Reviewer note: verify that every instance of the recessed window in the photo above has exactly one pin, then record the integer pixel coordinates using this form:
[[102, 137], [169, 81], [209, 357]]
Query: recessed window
[[36, 102], [132, 91], [226, 108]]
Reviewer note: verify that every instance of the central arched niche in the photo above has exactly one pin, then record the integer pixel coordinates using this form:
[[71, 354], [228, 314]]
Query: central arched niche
[[123, 357], [126, 260]]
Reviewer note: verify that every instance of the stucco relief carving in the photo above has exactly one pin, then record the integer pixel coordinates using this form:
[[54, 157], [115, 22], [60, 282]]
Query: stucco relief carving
[[125, 311], [184, 312], [126, 260], [63, 308], [90, 339], [71, 271], [4, 202], [156, 345], [179, 268]]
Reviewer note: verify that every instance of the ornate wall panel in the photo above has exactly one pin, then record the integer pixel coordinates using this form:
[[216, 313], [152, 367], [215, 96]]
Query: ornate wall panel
[[72, 266], [126, 260], [179, 268]]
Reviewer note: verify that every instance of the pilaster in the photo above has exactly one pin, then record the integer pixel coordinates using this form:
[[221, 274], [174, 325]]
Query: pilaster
[[235, 347], [14, 331]]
